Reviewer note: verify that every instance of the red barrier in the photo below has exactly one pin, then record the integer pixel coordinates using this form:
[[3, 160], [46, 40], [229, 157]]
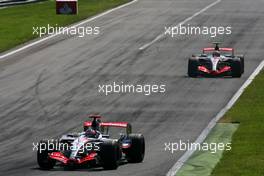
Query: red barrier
[[67, 7]]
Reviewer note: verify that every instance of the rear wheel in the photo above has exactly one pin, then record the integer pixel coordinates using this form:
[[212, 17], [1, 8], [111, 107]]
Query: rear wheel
[[45, 147], [192, 68], [236, 68], [136, 153], [109, 154]]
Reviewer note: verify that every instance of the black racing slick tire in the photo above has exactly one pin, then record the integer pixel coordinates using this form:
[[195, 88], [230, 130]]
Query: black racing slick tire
[[109, 154], [242, 64], [44, 149], [193, 68], [136, 153], [236, 68]]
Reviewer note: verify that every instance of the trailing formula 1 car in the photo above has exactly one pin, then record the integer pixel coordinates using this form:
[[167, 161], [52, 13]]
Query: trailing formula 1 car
[[216, 62], [93, 147]]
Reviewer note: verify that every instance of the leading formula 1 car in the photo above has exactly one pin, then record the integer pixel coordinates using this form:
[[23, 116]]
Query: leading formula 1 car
[[216, 62], [92, 147]]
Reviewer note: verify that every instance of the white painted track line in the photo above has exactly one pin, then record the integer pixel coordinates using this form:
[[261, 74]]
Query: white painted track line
[[181, 23], [206, 131], [76, 25]]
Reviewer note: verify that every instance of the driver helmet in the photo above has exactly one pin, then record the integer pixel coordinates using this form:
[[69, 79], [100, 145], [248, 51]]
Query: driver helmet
[[90, 133], [216, 54]]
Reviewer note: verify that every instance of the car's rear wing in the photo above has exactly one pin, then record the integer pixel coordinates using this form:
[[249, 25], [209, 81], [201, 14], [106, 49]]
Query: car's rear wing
[[220, 49], [109, 124], [126, 125]]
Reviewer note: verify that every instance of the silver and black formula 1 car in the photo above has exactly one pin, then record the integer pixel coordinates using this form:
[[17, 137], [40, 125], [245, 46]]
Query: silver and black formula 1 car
[[93, 147], [216, 62]]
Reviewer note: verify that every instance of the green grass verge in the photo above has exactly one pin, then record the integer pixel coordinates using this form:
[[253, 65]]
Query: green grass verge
[[202, 162], [16, 22], [247, 155]]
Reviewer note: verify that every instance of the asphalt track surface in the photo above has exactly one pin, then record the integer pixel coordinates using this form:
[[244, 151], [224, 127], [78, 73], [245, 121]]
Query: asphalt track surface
[[47, 90]]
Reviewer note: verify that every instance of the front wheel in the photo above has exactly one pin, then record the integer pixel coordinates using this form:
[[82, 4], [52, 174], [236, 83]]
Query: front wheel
[[242, 64], [109, 154], [45, 147], [192, 68], [236, 67], [136, 152]]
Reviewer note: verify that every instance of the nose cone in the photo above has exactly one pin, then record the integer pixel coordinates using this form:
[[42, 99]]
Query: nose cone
[[71, 162], [214, 72]]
